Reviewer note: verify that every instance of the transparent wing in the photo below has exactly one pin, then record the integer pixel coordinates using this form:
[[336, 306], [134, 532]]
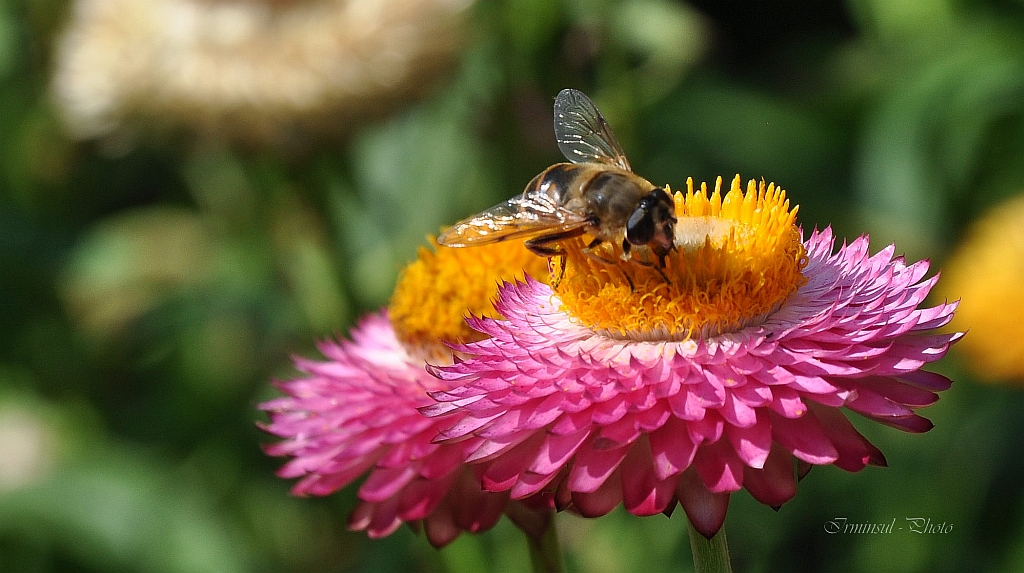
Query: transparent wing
[[521, 217], [582, 133]]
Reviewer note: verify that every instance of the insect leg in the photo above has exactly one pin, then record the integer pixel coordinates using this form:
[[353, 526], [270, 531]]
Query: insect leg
[[658, 266], [598, 257], [632, 287], [561, 272], [590, 253], [547, 246]]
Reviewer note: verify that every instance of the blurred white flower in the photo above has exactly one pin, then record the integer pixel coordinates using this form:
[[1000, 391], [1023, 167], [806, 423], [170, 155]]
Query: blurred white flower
[[26, 447], [252, 69]]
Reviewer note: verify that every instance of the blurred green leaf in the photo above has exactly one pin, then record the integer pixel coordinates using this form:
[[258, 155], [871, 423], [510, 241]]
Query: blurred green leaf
[[410, 175], [924, 138], [665, 39], [117, 511], [8, 41]]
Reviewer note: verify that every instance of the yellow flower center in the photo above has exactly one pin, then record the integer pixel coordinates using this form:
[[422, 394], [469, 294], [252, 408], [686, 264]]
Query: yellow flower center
[[736, 259], [435, 293]]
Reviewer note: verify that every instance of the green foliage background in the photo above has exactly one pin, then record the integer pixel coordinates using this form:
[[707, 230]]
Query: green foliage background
[[148, 298]]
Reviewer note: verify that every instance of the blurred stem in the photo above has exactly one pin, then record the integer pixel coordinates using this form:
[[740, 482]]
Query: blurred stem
[[545, 553], [710, 555], [541, 536]]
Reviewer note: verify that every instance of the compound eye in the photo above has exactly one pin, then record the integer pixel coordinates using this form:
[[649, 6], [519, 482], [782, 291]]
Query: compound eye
[[640, 226]]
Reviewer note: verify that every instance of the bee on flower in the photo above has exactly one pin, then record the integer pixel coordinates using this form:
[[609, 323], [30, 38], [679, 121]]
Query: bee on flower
[[678, 347], [724, 361]]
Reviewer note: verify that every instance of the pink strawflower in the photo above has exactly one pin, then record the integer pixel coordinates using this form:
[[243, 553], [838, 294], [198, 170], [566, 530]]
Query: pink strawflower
[[356, 413], [695, 408]]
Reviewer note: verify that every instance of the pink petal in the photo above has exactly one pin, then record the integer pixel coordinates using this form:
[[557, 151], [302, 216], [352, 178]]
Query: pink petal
[[805, 438], [872, 404], [928, 380], [592, 468], [502, 473], [774, 484], [787, 403], [686, 405], [440, 528], [491, 448], [530, 483], [899, 392], [912, 423], [642, 492], [672, 449], [719, 468], [752, 444], [736, 413], [383, 521], [619, 433], [705, 510], [384, 483], [556, 451], [571, 423], [708, 430], [855, 451], [601, 501], [421, 497]]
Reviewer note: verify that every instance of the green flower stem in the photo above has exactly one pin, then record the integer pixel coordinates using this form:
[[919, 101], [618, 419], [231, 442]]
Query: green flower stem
[[545, 553], [541, 536], [710, 555]]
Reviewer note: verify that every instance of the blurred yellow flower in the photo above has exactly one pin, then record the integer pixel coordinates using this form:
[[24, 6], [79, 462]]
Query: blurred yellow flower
[[250, 69], [987, 273]]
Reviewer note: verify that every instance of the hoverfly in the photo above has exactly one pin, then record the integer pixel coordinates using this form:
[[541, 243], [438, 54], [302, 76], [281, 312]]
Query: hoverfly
[[597, 194]]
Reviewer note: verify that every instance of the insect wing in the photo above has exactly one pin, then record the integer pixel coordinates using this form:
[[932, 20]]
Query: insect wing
[[521, 217], [582, 133]]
